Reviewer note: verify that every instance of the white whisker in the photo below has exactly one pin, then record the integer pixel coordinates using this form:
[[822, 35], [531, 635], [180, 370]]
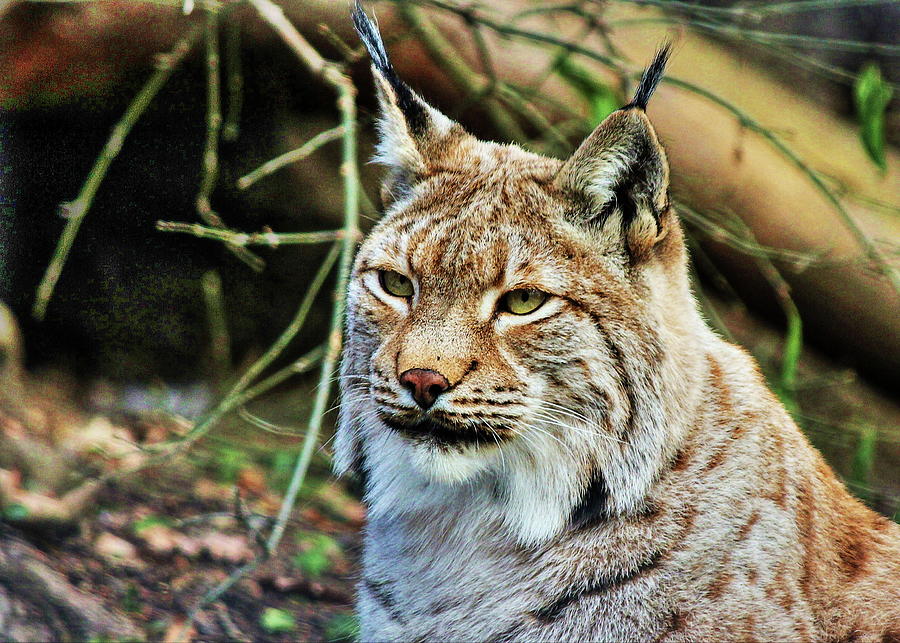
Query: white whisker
[[555, 421], [553, 437], [564, 410]]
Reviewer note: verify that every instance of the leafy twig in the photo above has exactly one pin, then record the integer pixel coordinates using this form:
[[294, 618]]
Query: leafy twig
[[873, 254], [793, 341]]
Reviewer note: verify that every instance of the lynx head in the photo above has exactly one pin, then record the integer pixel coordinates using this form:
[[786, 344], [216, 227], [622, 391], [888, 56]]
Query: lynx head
[[513, 319]]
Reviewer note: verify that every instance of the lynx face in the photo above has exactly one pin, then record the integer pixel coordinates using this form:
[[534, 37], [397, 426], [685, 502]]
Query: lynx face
[[504, 316], [484, 283]]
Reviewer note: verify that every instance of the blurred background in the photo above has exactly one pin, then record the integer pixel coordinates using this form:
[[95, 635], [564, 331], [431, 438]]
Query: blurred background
[[124, 341]]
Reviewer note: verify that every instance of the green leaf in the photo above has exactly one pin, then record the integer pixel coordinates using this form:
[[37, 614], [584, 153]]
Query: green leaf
[[316, 555], [602, 98], [282, 466], [786, 387], [343, 627], [274, 620], [149, 521], [230, 461], [15, 512], [872, 95], [312, 563]]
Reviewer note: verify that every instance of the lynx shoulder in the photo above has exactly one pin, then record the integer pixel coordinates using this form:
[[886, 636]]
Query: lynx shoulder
[[554, 444]]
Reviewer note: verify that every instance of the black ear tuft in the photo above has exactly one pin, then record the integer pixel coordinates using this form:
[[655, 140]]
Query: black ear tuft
[[412, 108], [651, 77], [371, 38]]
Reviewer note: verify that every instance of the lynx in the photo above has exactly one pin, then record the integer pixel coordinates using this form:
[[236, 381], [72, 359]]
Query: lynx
[[554, 445]]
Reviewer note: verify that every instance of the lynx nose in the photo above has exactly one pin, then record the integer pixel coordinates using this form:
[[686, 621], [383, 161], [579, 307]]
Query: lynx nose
[[424, 384]]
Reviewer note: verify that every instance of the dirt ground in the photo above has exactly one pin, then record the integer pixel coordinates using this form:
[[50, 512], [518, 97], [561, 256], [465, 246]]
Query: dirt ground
[[152, 544]]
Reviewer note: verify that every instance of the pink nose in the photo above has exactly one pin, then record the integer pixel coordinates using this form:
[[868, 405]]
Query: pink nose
[[424, 384]]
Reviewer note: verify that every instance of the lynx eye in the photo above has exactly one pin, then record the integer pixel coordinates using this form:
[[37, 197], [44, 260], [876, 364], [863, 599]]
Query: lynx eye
[[395, 283], [523, 301]]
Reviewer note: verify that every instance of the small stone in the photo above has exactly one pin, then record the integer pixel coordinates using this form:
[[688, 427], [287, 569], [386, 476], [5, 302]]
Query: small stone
[[117, 550]]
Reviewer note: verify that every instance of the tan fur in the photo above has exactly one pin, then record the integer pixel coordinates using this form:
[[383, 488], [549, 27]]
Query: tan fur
[[637, 480]]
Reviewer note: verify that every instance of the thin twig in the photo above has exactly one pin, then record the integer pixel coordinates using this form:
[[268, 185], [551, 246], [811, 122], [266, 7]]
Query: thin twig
[[484, 53], [871, 251], [220, 343], [210, 168], [265, 425], [287, 158], [270, 239], [796, 40], [559, 61], [274, 16], [345, 51], [745, 243], [802, 6], [469, 12], [161, 453], [75, 211], [234, 72], [793, 342], [205, 4], [445, 56], [515, 99], [757, 39], [287, 335], [302, 365], [756, 11], [216, 593], [331, 74]]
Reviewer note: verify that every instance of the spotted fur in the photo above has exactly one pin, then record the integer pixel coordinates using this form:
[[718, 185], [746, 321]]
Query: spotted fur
[[604, 468]]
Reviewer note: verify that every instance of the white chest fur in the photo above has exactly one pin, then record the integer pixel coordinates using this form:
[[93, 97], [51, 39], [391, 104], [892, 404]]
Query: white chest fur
[[457, 576]]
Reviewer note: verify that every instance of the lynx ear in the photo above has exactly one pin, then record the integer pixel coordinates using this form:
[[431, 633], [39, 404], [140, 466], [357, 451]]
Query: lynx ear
[[410, 129], [620, 170]]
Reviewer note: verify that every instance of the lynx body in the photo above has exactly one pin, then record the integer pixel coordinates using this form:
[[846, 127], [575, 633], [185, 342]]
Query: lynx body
[[554, 444]]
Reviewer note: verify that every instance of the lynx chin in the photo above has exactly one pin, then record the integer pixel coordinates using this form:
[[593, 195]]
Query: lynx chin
[[553, 443]]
